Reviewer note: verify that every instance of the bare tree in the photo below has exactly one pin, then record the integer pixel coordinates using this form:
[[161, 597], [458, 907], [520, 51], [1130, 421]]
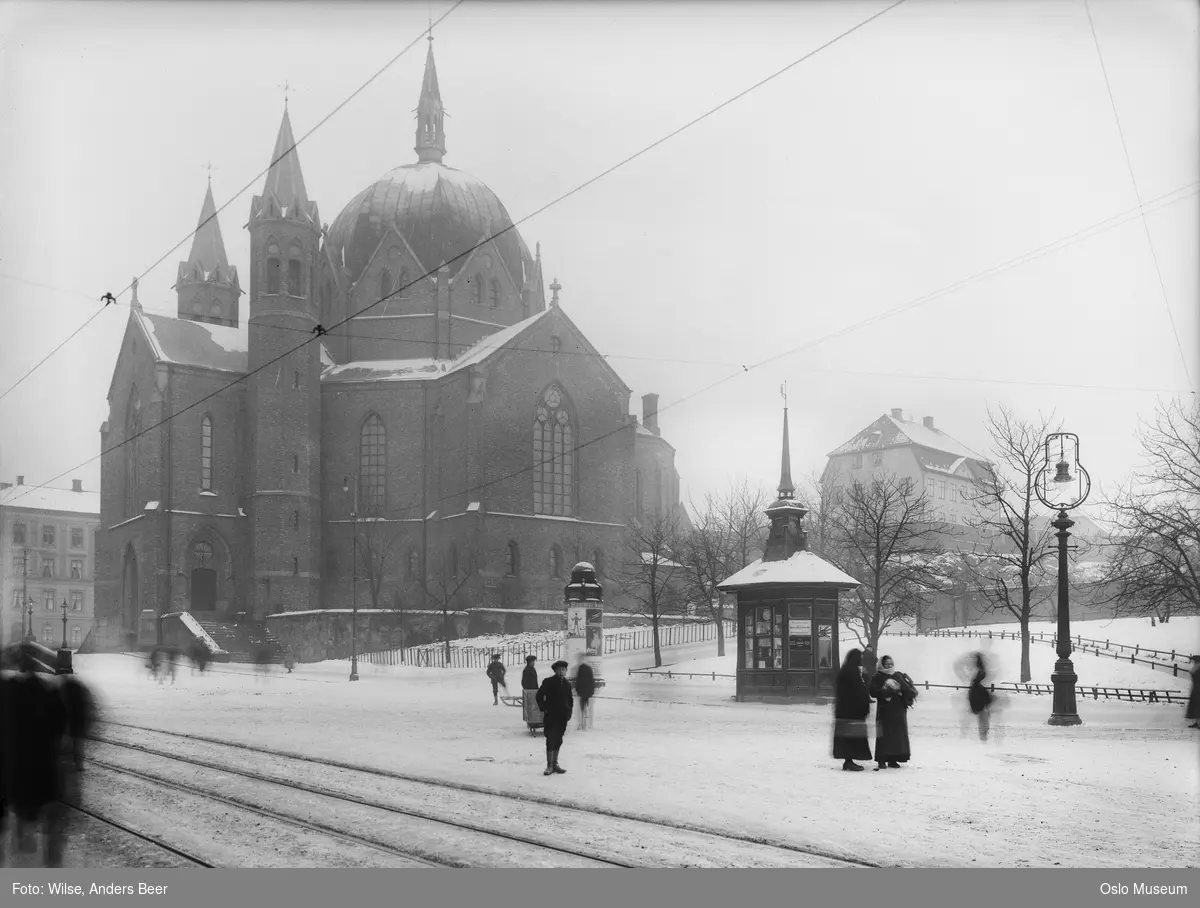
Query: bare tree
[[726, 535], [1155, 563], [820, 499], [442, 587], [1007, 565], [882, 533], [379, 548], [650, 574]]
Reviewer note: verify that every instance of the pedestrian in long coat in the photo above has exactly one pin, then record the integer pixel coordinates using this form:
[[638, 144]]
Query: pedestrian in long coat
[[979, 698], [555, 701], [495, 672], [585, 689], [1193, 707], [852, 705], [870, 663], [894, 693]]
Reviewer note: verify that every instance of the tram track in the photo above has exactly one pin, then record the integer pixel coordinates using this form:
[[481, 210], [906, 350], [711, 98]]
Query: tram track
[[604, 835], [140, 836]]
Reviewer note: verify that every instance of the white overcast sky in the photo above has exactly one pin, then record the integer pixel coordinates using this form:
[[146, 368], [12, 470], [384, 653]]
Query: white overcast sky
[[939, 141]]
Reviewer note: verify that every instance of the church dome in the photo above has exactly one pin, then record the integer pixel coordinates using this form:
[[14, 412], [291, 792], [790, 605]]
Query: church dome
[[441, 212]]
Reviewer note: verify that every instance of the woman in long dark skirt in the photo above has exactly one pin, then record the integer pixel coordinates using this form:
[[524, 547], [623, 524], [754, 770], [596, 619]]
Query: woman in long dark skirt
[[894, 693], [851, 706], [1193, 707]]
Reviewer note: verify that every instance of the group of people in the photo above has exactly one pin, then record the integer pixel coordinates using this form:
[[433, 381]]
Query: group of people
[[44, 722], [858, 683], [554, 697]]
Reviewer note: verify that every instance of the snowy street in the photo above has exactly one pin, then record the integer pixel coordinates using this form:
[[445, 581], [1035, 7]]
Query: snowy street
[[1120, 790]]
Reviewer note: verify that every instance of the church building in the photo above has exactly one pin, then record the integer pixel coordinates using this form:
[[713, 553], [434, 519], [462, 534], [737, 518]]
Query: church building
[[397, 384]]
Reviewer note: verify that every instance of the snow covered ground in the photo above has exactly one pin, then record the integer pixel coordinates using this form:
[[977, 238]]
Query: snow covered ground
[[1119, 791]]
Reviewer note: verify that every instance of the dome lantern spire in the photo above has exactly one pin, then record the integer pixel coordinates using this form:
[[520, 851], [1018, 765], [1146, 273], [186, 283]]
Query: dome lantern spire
[[431, 138]]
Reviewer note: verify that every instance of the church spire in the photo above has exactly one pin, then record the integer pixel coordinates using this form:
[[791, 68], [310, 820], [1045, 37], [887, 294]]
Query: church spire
[[786, 536], [208, 248], [285, 181], [431, 139]]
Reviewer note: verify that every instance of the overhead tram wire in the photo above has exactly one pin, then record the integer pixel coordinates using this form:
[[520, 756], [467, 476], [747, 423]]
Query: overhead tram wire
[[255, 179], [322, 330], [1138, 195]]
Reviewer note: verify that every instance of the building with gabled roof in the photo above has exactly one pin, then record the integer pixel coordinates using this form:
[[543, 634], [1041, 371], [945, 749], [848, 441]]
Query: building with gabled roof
[[401, 396]]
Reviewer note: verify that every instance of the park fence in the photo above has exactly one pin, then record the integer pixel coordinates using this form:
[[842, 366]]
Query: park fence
[[465, 655]]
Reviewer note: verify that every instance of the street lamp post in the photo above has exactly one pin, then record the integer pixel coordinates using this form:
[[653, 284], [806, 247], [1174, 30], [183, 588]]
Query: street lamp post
[[29, 612], [64, 611], [353, 580], [1063, 491]]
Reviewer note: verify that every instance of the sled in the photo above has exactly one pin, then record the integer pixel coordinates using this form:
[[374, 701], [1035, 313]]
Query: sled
[[530, 712]]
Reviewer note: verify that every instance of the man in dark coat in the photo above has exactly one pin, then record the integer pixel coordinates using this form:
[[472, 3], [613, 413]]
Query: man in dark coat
[[495, 671], [585, 689], [529, 678], [851, 706], [556, 703], [1193, 707]]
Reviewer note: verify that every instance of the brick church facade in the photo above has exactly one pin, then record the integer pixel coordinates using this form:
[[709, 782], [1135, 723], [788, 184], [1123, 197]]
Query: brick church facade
[[396, 383]]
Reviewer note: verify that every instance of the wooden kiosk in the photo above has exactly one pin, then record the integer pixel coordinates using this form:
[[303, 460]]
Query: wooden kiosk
[[787, 609]]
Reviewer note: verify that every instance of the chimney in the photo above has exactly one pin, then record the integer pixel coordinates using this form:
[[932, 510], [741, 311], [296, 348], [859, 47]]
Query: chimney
[[5, 485], [650, 412], [20, 480], [76, 485], [927, 421], [897, 413]]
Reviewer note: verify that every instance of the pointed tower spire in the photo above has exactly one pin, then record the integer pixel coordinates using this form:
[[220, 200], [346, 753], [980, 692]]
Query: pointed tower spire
[[285, 181], [208, 248], [787, 491], [431, 138]]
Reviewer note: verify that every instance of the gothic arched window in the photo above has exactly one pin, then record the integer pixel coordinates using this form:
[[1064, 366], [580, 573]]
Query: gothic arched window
[[273, 267], [372, 465], [555, 561], [402, 284], [477, 289], [206, 449], [553, 456], [295, 281], [133, 426], [385, 283], [202, 554], [512, 560]]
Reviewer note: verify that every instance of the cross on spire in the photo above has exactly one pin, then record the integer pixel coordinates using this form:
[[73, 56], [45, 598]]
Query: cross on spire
[[209, 167], [287, 89]]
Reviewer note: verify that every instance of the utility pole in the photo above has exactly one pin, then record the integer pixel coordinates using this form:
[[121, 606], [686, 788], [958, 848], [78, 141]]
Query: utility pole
[[25, 587]]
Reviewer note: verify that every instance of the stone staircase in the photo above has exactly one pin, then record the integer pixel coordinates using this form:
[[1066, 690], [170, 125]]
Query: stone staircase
[[242, 641]]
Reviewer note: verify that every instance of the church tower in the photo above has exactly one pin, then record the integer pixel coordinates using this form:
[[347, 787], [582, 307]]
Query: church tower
[[284, 387], [207, 285], [431, 137]]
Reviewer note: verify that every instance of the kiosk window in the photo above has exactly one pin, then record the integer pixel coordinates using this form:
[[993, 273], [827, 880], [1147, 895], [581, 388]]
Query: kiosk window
[[824, 645], [826, 609], [764, 638], [800, 650]]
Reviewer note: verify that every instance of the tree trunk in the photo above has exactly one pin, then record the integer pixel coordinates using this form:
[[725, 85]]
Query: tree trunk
[[1026, 673], [720, 631], [654, 631], [446, 634]]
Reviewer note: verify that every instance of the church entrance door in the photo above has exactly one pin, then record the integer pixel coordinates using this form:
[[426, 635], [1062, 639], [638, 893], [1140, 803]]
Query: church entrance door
[[129, 593], [204, 590]]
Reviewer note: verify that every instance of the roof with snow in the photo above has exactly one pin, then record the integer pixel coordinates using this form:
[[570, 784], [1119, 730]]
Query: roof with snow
[[802, 568], [33, 498], [188, 343], [889, 432]]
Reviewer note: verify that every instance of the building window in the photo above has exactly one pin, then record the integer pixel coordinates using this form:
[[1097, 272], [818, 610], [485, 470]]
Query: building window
[[18, 533], [273, 276], [553, 456], [295, 269], [555, 343], [512, 560], [18, 605], [206, 439], [76, 636], [402, 284], [76, 568], [385, 283], [555, 561], [48, 535], [857, 465], [295, 463], [372, 465], [477, 289], [47, 632], [295, 520], [941, 488], [47, 567], [295, 567], [76, 537], [48, 600], [76, 600], [598, 561], [494, 297], [414, 564], [929, 486], [18, 565], [877, 459], [202, 554]]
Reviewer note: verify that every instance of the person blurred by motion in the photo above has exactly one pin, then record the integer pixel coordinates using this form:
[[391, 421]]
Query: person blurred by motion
[[870, 663], [495, 673], [979, 698], [585, 689], [895, 693], [556, 702], [1193, 706], [199, 656], [852, 705]]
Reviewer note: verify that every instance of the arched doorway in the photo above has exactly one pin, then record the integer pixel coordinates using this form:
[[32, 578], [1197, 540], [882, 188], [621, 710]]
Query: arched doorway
[[204, 578], [129, 591]]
